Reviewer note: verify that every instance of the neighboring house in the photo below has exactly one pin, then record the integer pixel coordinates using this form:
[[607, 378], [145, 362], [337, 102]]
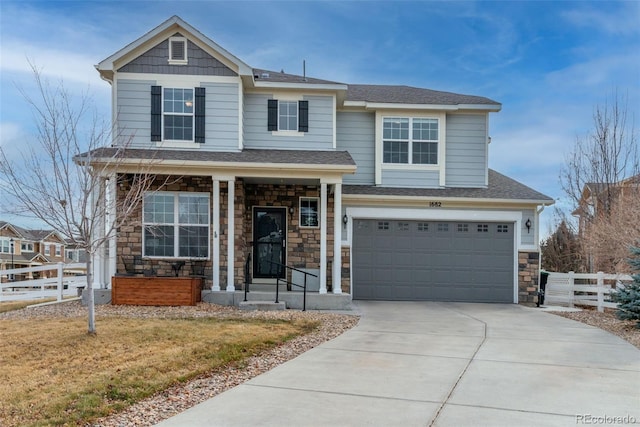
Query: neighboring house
[[21, 247], [598, 197], [383, 190], [617, 201]]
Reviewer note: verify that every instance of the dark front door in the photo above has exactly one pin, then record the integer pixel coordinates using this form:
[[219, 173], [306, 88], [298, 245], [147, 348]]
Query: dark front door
[[269, 230]]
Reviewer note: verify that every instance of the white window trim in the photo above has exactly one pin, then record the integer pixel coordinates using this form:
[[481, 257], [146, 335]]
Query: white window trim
[[179, 143], [297, 110], [184, 61], [47, 250], [58, 251], [410, 141], [28, 245], [176, 225], [317, 199]]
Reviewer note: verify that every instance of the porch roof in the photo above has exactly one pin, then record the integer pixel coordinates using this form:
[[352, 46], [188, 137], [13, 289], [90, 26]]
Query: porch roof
[[248, 158], [500, 188]]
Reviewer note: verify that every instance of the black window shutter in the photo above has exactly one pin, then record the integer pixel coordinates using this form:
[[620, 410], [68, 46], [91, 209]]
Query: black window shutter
[[272, 116], [199, 114], [156, 113], [303, 116]]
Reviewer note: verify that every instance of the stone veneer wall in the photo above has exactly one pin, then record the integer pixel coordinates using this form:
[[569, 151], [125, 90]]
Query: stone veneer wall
[[129, 236], [346, 269], [528, 271], [303, 244]]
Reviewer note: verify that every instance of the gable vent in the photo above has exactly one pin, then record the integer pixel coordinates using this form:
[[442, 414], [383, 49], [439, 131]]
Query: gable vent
[[177, 50]]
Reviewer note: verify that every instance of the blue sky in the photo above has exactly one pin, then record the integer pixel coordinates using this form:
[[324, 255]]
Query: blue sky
[[548, 63]]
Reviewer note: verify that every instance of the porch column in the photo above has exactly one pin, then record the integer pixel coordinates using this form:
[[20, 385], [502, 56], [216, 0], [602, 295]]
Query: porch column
[[231, 235], [336, 279], [97, 196], [323, 238], [215, 259], [112, 212]]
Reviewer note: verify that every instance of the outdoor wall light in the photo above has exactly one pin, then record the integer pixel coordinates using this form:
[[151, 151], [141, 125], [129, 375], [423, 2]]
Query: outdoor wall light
[[345, 219], [528, 225], [290, 211]]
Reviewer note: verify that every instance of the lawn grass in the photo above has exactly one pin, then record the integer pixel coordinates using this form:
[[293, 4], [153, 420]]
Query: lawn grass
[[53, 373], [17, 305]]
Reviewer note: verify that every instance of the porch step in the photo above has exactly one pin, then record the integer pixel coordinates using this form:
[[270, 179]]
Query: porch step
[[262, 305]]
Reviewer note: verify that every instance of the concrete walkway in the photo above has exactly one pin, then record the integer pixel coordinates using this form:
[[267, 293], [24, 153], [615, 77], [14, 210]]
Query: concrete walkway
[[442, 364]]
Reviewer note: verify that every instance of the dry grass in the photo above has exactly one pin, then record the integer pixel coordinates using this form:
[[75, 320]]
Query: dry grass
[[17, 305], [53, 373]]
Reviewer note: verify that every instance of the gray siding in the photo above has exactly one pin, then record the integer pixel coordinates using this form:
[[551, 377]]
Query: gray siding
[[410, 178], [134, 114], [355, 132], [133, 111], [319, 137], [155, 60], [466, 152], [528, 237], [222, 116]]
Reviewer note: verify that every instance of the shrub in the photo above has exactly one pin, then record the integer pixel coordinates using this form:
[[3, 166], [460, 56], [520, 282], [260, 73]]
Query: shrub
[[628, 299]]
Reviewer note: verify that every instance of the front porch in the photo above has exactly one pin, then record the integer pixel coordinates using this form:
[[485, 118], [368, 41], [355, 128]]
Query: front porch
[[256, 220]]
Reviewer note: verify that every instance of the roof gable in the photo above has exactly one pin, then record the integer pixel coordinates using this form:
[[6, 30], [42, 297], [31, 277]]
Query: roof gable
[[163, 32]]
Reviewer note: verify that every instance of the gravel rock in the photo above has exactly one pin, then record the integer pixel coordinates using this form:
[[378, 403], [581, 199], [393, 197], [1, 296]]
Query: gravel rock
[[178, 398]]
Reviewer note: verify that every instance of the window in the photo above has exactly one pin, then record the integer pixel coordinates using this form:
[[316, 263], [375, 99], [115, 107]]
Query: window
[[483, 228], [26, 247], [176, 225], [47, 250], [443, 226], [177, 50], [383, 225], [178, 114], [70, 255], [58, 250], [410, 140], [463, 228], [503, 228], [5, 246], [423, 226], [288, 115], [402, 226], [309, 216]]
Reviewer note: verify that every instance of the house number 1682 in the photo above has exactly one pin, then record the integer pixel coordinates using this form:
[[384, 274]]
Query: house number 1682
[[435, 204]]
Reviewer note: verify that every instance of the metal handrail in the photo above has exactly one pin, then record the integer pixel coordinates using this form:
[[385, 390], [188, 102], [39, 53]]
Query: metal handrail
[[304, 287], [247, 276]]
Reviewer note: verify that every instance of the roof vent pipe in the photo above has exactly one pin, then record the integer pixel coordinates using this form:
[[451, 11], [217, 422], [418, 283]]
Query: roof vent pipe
[[304, 70]]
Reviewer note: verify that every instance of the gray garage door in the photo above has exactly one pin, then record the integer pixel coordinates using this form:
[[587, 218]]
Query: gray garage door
[[433, 261]]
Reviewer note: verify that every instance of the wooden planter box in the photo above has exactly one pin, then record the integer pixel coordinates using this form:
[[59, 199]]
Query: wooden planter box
[[155, 290]]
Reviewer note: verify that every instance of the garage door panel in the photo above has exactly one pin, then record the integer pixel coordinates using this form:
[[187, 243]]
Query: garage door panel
[[433, 260]]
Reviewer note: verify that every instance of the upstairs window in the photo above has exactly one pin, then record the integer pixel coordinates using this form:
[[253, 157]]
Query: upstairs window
[[47, 250], [58, 250], [288, 115], [26, 247], [5, 246], [177, 50], [410, 140], [178, 114]]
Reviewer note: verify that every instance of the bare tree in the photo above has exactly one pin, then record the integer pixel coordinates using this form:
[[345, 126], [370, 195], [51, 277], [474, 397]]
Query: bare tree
[[602, 163], [606, 156], [60, 179]]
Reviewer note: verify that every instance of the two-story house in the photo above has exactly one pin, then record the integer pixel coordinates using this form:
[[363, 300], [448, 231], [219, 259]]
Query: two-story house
[[21, 247], [383, 191]]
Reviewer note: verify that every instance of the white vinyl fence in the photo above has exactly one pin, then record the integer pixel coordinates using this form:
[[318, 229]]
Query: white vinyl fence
[[33, 289], [591, 289]]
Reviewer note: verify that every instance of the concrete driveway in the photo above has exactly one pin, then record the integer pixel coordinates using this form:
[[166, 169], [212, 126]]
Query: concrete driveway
[[442, 364]]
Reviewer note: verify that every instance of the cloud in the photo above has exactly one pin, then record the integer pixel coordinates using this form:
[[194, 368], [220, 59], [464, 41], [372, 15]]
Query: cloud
[[621, 19]]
